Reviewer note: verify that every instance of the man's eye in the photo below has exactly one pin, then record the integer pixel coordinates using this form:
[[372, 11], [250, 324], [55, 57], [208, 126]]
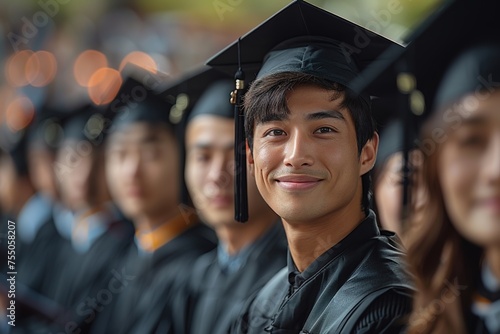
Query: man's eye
[[275, 132], [325, 129]]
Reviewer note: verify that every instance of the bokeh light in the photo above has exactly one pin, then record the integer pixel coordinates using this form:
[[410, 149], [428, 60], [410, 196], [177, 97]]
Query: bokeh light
[[19, 113], [41, 68], [88, 63], [104, 85], [140, 59], [15, 68]]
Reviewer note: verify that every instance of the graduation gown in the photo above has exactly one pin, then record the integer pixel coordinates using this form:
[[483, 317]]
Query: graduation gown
[[84, 285], [35, 237], [214, 296], [39, 245], [156, 276], [35, 269], [358, 286]]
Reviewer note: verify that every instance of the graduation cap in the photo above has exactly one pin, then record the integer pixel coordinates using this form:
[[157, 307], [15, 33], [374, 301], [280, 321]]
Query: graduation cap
[[413, 75], [138, 99], [203, 91], [46, 130], [299, 38], [86, 123], [184, 93], [417, 70], [391, 141]]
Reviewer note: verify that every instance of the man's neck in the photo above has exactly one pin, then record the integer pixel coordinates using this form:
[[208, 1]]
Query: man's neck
[[236, 236], [24, 193], [148, 223], [308, 240]]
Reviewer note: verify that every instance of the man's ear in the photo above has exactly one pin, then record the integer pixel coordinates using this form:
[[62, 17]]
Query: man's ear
[[368, 154], [250, 161]]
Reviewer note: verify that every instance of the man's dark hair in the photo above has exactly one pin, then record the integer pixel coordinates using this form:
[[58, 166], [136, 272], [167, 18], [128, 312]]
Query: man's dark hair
[[268, 96]]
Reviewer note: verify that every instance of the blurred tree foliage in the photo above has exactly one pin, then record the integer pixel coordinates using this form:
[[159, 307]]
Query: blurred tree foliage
[[392, 18]]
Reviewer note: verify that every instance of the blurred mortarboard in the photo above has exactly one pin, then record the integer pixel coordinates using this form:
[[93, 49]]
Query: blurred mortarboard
[[300, 38], [205, 85], [86, 123], [203, 91], [138, 99], [391, 141], [478, 68], [418, 69], [46, 131]]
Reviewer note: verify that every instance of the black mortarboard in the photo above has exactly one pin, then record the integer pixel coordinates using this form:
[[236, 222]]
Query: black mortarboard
[[391, 142], [476, 69], [138, 100], [299, 38], [46, 130], [185, 93], [200, 92], [417, 70], [86, 123], [307, 39]]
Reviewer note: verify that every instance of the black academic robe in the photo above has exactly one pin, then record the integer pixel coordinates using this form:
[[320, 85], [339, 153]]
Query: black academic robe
[[358, 286], [35, 267], [86, 282], [156, 276], [36, 272], [213, 297]]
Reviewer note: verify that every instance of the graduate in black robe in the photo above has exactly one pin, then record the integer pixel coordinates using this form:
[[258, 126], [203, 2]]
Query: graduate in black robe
[[248, 255], [144, 175], [312, 144], [35, 237], [99, 236]]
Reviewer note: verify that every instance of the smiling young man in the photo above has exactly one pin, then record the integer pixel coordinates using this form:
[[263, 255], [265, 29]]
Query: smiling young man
[[312, 144]]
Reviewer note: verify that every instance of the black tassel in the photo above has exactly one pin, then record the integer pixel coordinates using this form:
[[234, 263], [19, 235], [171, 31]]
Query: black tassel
[[240, 177]]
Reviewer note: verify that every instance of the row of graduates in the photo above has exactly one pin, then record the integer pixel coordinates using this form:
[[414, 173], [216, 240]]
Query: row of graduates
[[311, 258], [104, 240]]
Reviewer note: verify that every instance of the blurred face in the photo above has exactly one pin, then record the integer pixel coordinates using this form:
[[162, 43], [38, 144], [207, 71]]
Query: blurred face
[[307, 165], [142, 170], [469, 171], [42, 172], [73, 168], [388, 190], [8, 178], [210, 171]]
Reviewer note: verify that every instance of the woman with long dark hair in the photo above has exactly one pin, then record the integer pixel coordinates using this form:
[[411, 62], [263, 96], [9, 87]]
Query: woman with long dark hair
[[455, 252]]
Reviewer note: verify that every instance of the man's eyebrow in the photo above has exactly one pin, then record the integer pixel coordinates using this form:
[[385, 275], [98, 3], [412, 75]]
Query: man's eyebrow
[[325, 114], [270, 117]]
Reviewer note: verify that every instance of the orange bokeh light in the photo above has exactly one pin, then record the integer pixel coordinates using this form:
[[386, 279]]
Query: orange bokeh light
[[104, 85], [15, 68], [19, 113], [41, 68], [87, 63], [140, 59]]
